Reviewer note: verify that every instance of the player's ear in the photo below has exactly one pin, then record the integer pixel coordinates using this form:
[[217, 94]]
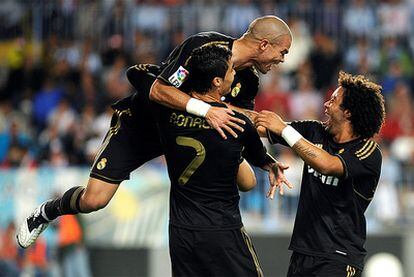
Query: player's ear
[[217, 81], [347, 114], [264, 43]]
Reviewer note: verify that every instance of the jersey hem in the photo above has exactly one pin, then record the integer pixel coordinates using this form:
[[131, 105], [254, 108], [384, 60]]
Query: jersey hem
[[105, 179], [328, 256], [207, 228]]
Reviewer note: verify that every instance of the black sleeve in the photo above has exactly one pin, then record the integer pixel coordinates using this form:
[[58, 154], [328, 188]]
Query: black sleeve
[[174, 70], [141, 77], [362, 162], [254, 151], [306, 128]]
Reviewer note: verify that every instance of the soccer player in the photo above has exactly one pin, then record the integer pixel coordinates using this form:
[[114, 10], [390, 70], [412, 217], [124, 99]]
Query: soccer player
[[339, 179], [133, 139], [206, 232]]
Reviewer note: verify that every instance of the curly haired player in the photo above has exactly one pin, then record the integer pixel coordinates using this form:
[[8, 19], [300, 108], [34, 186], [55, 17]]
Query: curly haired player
[[341, 173]]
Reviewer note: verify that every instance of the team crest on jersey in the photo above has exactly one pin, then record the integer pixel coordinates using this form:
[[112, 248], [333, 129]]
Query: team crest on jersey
[[102, 164], [235, 91], [178, 78]]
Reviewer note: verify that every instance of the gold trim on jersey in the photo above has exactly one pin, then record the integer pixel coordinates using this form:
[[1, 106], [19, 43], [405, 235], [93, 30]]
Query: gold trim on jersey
[[367, 147], [363, 197], [112, 131], [106, 178], [220, 42], [254, 70], [350, 271], [141, 67], [249, 244], [369, 152]]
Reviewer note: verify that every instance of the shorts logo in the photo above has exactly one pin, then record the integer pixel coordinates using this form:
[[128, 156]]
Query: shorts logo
[[178, 78], [101, 164], [235, 91]]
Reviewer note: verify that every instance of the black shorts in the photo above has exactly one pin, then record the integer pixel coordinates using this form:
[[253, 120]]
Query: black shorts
[[307, 266], [132, 138], [212, 253]]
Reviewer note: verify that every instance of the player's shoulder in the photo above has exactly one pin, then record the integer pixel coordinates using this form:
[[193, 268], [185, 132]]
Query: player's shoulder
[[249, 124], [367, 149], [206, 38], [314, 125], [243, 117], [249, 74]]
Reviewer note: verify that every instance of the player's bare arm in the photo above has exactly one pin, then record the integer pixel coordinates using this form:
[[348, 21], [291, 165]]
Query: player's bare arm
[[314, 156], [246, 179], [221, 119]]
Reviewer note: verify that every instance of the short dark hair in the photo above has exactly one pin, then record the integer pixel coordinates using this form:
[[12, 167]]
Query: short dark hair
[[206, 63], [365, 102]]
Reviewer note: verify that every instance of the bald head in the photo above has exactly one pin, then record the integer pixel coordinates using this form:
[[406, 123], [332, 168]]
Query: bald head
[[270, 27]]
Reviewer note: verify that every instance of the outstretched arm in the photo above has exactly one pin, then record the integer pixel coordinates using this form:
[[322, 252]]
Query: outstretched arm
[[221, 119], [316, 157], [256, 154]]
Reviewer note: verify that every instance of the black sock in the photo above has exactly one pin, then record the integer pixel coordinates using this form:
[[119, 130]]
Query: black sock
[[68, 203]]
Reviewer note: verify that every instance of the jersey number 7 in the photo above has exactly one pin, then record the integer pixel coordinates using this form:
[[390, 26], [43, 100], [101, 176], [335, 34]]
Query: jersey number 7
[[196, 162]]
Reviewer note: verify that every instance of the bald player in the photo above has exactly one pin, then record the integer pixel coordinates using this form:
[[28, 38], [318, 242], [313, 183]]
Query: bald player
[[133, 138], [265, 43]]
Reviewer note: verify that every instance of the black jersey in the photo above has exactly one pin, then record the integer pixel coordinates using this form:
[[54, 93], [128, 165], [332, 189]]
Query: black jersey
[[203, 167], [330, 219], [174, 70]]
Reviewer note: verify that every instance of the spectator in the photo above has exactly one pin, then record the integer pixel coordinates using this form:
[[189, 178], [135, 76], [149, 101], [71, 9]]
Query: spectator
[[238, 16], [306, 93], [300, 50], [359, 19], [9, 266], [72, 252], [45, 101], [394, 18], [400, 115], [325, 60], [116, 83], [362, 55]]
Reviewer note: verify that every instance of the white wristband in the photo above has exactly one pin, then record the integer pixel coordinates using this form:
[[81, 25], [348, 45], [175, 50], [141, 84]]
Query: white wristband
[[197, 107], [290, 135]]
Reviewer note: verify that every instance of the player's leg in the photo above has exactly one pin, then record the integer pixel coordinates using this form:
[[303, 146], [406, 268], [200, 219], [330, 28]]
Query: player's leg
[[305, 265], [183, 260], [123, 150], [79, 199], [227, 253]]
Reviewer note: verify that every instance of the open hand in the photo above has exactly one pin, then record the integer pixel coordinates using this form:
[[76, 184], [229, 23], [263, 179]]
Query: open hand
[[223, 119], [277, 178]]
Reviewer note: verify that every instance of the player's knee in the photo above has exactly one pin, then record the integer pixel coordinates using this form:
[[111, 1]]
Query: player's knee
[[91, 203]]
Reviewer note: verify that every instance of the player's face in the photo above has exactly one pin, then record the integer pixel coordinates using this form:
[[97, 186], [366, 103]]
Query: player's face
[[334, 111], [273, 53], [228, 79]]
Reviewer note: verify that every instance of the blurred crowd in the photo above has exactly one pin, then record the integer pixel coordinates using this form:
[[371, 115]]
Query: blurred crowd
[[62, 63], [59, 252]]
